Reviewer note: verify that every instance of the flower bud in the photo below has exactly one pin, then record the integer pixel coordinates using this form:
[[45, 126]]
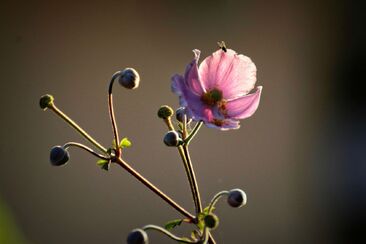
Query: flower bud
[[179, 115], [129, 78], [237, 198], [172, 139], [46, 101], [211, 221], [165, 112], [59, 156], [137, 236]]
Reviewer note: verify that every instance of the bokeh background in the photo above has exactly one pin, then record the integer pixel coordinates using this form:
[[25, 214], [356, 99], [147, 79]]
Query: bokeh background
[[300, 158]]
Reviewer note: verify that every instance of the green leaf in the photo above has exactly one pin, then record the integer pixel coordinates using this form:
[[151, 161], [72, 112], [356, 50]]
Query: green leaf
[[125, 143], [104, 164], [173, 223], [201, 222]]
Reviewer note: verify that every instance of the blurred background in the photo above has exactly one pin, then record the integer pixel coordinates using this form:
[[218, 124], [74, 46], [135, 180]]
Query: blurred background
[[300, 158]]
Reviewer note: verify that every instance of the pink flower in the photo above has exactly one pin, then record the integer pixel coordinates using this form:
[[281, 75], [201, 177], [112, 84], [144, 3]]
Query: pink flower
[[217, 92]]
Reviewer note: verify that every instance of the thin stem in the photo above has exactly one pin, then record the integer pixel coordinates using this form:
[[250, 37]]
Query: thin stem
[[206, 235], [216, 198], [152, 187], [169, 234], [77, 127], [88, 149], [111, 112], [169, 124], [186, 167], [193, 132], [193, 178]]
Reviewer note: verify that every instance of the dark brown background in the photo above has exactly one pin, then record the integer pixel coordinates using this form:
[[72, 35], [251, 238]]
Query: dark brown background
[[299, 158]]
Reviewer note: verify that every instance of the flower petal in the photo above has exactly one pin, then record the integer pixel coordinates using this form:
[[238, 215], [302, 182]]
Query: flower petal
[[188, 99], [191, 74], [245, 106], [227, 124], [233, 74]]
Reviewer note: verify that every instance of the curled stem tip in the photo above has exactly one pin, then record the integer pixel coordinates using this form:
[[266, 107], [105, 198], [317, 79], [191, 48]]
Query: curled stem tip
[[88, 149]]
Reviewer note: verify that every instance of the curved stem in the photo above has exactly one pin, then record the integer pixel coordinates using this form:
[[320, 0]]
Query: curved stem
[[88, 149], [77, 127], [169, 234], [216, 198], [152, 187], [111, 112]]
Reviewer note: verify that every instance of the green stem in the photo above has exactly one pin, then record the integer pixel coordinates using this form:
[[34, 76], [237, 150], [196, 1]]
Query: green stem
[[77, 127], [193, 132], [88, 149], [169, 234]]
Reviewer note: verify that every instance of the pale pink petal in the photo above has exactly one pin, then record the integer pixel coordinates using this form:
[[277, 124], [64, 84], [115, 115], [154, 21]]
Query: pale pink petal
[[228, 124], [191, 74], [245, 106], [233, 74], [187, 98]]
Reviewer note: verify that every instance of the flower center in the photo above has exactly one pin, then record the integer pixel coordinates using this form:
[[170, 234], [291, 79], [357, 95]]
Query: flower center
[[212, 97]]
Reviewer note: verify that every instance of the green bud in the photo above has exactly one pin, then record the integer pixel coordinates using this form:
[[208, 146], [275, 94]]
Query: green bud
[[211, 221], [46, 101], [165, 112]]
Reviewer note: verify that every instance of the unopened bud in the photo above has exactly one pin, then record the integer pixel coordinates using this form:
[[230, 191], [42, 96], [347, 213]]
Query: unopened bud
[[129, 78], [172, 139], [211, 221], [165, 112], [59, 156], [180, 113], [137, 236], [46, 101], [237, 198]]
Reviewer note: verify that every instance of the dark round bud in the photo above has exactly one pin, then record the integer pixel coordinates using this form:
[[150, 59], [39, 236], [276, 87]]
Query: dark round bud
[[172, 139], [165, 112], [46, 101], [237, 198], [59, 156], [137, 236], [211, 221], [129, 78], [179, 115]]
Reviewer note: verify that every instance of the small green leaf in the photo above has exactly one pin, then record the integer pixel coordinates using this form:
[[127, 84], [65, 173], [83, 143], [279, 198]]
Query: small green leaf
[[201, 222], [173, 223], [104, 164], [125, 143]]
